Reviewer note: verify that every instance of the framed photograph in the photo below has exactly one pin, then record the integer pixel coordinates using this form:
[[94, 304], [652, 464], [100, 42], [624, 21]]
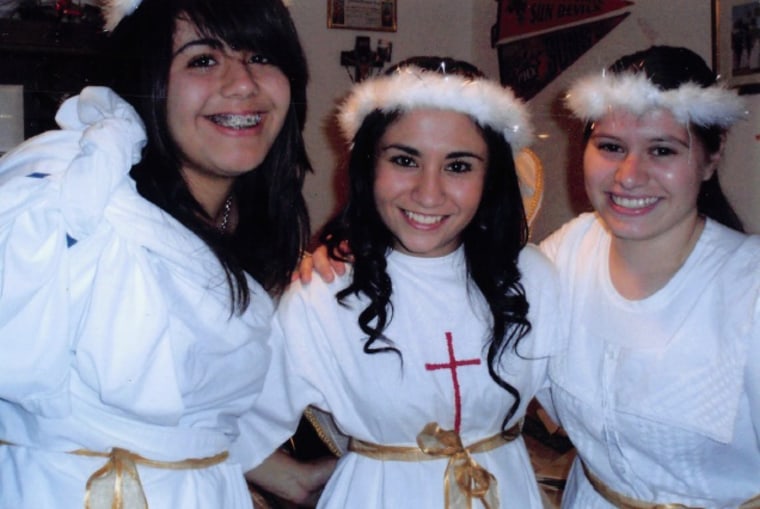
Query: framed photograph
[[736, 42], [377, 15]]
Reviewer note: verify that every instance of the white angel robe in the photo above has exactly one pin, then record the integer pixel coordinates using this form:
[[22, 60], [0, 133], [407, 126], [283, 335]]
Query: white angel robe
[[439, 326], [115, 325], [661, 396]]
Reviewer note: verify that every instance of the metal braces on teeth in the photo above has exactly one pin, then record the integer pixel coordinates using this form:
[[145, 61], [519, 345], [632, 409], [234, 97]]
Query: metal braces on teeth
[[238, 121]]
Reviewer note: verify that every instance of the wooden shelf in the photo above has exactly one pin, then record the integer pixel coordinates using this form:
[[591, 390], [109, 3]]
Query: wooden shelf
[[52, 59]]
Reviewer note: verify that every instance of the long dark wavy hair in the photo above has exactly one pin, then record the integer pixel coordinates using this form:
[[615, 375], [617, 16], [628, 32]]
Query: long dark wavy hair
[[669, 67], [273, 224], [492, 241]]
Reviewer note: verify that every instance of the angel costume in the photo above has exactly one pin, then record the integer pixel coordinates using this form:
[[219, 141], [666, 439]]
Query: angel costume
[[661, 396], [440, 326], [119, 347]]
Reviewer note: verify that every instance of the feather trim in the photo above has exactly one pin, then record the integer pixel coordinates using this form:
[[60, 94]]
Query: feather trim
[[487, 102], [116, 10], [593, 97]]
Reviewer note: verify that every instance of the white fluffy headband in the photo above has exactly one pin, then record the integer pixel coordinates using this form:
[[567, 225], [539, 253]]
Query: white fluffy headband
[[487, 102], [115, 10], [593, 97]]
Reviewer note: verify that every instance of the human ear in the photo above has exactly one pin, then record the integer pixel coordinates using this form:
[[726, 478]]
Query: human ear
[[713, 159]]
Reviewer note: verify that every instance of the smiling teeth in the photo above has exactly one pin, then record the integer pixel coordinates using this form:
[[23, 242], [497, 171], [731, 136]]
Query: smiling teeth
[[423, 219], [633, 203], [237, 121]]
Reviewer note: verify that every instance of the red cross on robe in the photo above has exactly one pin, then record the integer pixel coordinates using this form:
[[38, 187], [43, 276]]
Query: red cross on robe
[[452, 365]]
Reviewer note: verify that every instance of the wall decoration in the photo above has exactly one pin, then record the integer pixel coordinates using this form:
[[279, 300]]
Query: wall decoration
[[11, 116], [363, 60], [538, 39], [736, 43], [739, 169], [531, 173], [362, 14]]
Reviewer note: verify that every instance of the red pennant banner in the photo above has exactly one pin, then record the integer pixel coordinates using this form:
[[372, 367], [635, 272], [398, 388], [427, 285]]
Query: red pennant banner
[[520, 18], [527, 65]]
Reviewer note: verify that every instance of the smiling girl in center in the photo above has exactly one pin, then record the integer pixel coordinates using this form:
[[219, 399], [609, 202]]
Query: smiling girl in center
[[427, 351]]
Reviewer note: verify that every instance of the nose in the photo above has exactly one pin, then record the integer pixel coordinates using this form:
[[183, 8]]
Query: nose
[[239, 79], [429, 189], [631, 171]]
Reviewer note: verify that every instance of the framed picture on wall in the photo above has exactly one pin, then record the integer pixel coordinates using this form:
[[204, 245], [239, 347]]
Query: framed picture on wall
[[362, 14], [736, 42]]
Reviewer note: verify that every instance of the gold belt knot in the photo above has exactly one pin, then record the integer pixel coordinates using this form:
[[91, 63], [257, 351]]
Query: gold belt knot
[[464, 479], [116, 485], [470, 480]]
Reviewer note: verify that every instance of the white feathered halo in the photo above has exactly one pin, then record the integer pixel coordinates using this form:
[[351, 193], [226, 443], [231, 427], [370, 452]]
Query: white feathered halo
[[115, 10], [592, 97], [487, 102]]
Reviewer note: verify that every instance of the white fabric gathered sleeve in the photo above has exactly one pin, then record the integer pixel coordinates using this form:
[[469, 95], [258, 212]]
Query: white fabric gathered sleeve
[[53, 191], [303, 370], [112, 140]]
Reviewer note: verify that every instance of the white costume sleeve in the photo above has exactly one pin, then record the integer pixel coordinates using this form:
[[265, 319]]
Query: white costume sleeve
[[752, 371], [51, 195], [553, 313], [301, 363]]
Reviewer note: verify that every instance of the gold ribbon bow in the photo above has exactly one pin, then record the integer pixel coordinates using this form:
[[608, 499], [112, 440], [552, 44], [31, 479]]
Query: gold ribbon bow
[[116, 485], [470, 480], [464, 479]]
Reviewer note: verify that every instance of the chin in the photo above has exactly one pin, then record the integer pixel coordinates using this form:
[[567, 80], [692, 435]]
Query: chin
[[240, 167], [630, 232]]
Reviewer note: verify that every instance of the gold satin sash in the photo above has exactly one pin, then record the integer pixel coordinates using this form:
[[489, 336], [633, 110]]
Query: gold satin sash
[[464, 479], [116, 485], [623, 502]]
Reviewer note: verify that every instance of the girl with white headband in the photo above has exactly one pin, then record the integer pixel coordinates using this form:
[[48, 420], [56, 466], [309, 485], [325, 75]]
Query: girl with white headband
[[428, 350], [659, 388], [141, 244]]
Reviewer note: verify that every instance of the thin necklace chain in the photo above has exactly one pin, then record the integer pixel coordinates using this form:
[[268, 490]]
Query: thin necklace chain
[[227, 207]]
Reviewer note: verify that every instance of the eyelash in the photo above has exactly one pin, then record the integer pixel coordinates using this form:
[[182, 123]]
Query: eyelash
[[405, 161], [656, 151], [209, 60], [663, 151], [455, 166], [459, 167], [608, 147], [260, 59], [201, 61]]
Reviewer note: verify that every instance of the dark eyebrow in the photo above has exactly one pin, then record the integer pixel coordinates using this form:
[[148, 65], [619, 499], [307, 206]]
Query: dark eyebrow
[[671, 139], [212, 43], [655, 139], [601, 134], [456, 155], [404, 148], [414, 152]]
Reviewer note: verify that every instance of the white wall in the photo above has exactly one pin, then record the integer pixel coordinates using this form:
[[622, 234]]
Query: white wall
[[461, 28]]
